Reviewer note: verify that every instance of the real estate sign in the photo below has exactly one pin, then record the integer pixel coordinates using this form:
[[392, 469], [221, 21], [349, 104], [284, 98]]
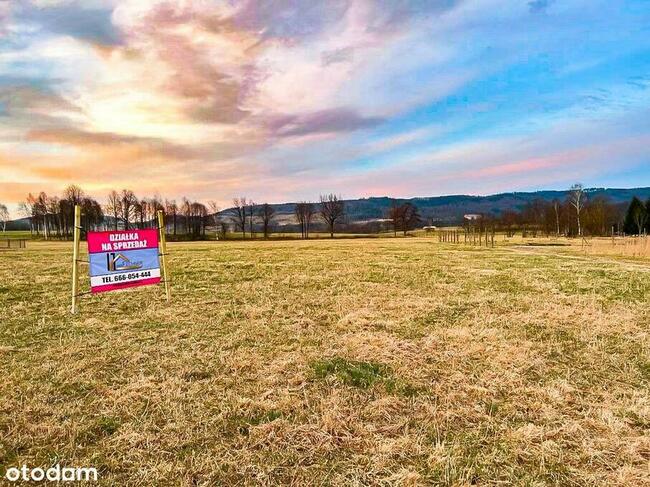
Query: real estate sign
[[123, 258]]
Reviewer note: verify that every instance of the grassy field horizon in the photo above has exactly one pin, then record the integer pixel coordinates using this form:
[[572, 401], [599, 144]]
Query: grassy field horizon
[[333, 362]]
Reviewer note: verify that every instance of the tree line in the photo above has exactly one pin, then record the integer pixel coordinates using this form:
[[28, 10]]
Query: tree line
[[53, 216], [247, 215], [576, 216]]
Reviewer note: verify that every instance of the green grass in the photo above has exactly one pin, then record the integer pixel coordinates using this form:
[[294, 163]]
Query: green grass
[[352, 373], [345, 362], [26, 234]]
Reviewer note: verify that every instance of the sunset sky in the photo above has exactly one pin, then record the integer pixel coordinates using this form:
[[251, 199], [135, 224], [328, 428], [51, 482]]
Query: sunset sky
[[283, 100]]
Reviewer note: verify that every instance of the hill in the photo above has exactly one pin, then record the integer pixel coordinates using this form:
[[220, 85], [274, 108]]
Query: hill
[[442, 209], [450, 209]]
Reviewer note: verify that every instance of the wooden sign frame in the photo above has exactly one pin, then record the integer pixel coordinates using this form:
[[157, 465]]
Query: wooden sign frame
[[162, 253]]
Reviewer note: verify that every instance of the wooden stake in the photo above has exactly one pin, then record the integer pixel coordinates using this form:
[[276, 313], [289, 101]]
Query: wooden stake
[[75, 257], [163, 247]]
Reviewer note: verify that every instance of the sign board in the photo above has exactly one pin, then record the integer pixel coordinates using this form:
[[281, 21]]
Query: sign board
[[123, 258]]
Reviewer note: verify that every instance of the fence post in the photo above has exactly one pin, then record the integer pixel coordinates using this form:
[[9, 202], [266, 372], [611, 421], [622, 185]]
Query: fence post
[[75, 257], [163, 247]]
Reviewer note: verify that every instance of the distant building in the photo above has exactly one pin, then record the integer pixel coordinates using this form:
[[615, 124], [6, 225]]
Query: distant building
[[472, 217]]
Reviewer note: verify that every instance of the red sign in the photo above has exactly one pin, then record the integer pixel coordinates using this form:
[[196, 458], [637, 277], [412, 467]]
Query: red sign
[[123, 258]]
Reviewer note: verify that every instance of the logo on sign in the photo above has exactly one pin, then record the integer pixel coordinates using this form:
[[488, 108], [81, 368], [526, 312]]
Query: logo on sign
[[119, 262]]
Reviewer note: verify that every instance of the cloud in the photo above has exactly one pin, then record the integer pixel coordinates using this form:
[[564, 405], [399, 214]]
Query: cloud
[[337, 55], [320, 122], [289, 19], [214, 97], [85, 20], [139, 147], [23, 99]]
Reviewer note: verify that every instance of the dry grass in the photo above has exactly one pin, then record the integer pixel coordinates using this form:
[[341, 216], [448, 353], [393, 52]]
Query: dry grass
[[635, 247], [359, 362]]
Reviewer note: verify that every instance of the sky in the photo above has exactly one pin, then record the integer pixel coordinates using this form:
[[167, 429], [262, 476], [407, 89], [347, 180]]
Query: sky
[[283, 100]]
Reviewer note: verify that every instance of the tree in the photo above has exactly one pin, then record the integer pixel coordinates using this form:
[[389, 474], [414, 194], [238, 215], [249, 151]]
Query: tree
[[239, 218], [395, 215], [186, 212], [510, 220], [74, 194], [556, 210], [140, 211], [53, 208], [404, 217], [251, 217], [300, 217], [577, 200], [213, 214], [304, 212], [155, 204], [410, 217], [599, 216], [332, 209], [92, 213], [114, 206], [636, 217], [266, 213], [4, 217], [33, 212], [171, 208], [127, 205]]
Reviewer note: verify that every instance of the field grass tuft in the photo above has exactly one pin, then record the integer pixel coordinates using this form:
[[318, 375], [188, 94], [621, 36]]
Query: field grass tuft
[[351, 373]]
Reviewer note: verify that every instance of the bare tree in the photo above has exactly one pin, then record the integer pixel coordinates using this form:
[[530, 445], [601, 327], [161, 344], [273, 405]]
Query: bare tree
[[266, 213], [53, 208], [214, 220], [404, 217], [299, 212], [395, 215], [304, 212], [186, 212], [556, 209], [239, 218], [155, 204], [251, 216], [171, 209], [577, 200], [114, 206], [4, 217], [332, 209], [42, 204], [411, 217], [310, 211], [74, 194], [127, 205], [141, 211]]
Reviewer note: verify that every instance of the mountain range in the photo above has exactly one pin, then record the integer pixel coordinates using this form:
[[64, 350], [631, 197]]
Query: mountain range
[[439, 209], [450, 209]]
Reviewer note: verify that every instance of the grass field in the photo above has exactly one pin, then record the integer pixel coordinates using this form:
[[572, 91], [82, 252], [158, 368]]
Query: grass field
[[11, 234], [352, 362]]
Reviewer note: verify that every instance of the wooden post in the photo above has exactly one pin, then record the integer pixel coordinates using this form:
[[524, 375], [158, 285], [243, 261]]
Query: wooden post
[[163, 248], [75, 257]]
